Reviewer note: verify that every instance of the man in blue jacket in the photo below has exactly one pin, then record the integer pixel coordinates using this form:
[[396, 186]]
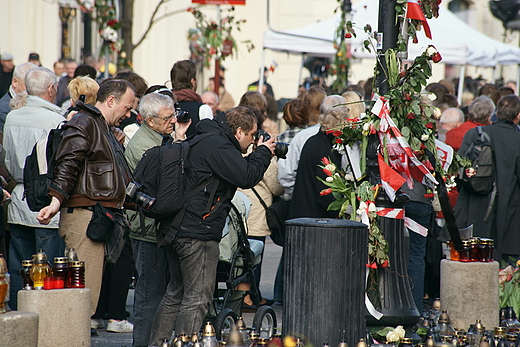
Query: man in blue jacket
[[193, 254]]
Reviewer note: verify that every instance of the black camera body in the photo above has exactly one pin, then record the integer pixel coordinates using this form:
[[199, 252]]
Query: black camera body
[[280, 149], [182, 116], [133, 191]]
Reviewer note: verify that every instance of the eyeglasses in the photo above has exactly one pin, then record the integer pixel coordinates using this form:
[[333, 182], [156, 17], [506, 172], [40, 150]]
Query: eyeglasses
[[166, 118]]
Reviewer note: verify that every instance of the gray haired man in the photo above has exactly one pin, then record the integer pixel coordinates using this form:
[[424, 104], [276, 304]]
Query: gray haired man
[[23, 128], [17, 86], [151, 263]]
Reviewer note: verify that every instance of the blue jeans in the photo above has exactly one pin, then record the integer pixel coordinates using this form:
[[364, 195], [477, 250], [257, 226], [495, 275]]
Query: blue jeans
[[193, 271], [26, 241], [422, 214], [153, 276]]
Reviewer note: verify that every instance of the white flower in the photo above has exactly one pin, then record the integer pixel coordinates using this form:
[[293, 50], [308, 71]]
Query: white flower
[[109, 34], [329, 179], [432, 96], [400, 330], [331, 167], [88, 4], [372, 207], [431, 50], [366, 127], [349, 177], [395, 335], [424, 137], [362, 205], [437, 113]]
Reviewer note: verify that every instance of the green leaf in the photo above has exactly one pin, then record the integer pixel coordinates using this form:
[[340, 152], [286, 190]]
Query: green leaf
[[336, 204]]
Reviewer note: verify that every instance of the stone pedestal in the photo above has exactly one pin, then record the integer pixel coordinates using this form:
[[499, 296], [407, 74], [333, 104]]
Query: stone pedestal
[[19, 329], [469, 291], [64, 315]]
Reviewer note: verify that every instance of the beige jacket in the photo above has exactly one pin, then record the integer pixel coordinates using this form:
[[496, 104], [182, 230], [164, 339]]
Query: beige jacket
[[266, 188]]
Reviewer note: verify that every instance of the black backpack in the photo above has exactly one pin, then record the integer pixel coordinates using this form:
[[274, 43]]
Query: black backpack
[[161, 174], [479, 178], [38, 171]]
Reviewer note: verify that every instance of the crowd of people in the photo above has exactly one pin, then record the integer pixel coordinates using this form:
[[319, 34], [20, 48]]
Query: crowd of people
[[108, 125]]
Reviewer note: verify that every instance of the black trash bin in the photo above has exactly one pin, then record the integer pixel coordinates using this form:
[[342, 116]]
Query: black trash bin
[[324, 280]]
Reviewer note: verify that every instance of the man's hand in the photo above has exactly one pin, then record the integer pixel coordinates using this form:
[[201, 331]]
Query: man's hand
[[269, 144], [119, 134], [180, 130], [6, 195], [45, 215]]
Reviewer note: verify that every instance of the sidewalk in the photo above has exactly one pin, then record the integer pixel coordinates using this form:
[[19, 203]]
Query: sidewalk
[[272, 256]]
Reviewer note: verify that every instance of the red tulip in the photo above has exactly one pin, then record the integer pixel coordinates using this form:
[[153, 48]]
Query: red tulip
[[348, 35], [327, 172], [436, 57], [325, 161], [326, 191]]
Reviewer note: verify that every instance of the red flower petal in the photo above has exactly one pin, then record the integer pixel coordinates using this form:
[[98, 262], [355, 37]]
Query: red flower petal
[[325, 161], [326, 191]]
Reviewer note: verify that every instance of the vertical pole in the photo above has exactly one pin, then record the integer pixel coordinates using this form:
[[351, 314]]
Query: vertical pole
[[107, 60], [261, 78], [216, 79], [462, 74], [87, 34], [300, 73], [346, 11], [389, 30]]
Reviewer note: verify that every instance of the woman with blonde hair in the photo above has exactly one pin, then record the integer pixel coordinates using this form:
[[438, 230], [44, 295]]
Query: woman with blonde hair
[[355, 104], [84, 89]]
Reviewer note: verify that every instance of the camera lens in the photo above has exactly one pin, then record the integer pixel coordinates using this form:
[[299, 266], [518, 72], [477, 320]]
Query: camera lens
[[281, 149], [264, 135], [144, 200]]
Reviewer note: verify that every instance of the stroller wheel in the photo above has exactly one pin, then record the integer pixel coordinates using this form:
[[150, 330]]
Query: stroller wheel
[[225, 319], [264, 322]]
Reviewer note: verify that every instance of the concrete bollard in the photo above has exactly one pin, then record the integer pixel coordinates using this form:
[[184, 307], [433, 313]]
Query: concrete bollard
[[64, 315], [469, 291], [19, 329]]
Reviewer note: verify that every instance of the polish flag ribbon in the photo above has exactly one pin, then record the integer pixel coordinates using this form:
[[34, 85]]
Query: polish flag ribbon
[[414, 11]]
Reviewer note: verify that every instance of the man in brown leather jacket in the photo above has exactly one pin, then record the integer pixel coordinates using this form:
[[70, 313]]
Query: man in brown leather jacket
[[88, 170]]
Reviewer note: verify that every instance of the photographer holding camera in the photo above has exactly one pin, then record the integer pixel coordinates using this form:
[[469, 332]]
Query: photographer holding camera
[[193, 254], [159, 119], [90, 168]]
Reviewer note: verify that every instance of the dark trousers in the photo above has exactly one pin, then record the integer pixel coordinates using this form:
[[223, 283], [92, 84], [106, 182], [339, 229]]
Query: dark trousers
[[152, 278], [193, 271], [421, 213], [115, 285]]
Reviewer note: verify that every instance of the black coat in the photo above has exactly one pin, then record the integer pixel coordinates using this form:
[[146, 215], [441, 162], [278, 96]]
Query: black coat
[[218, 155], [504, 224], [306, 200]]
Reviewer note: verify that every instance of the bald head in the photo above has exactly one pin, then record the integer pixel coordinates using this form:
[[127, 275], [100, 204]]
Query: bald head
[[211, 99], [451, 118]]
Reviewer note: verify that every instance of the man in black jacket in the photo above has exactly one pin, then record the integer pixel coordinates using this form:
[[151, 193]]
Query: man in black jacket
[[193, 254]]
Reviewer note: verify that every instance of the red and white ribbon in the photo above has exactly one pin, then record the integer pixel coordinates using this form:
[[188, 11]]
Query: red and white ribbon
[[395, 213], [382, 110], [415, 227]]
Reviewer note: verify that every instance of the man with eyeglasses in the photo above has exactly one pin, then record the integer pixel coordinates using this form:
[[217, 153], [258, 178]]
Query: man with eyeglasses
[[90, 168], [159, 122], [24, 128]]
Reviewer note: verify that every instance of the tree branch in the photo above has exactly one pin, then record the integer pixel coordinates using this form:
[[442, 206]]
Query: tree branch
[[151, 23]]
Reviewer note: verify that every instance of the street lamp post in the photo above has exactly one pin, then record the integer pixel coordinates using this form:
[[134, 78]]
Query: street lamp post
[[67, 12]]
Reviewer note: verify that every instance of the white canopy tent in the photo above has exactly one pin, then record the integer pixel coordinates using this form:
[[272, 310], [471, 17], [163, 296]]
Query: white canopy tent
[[457, 42]]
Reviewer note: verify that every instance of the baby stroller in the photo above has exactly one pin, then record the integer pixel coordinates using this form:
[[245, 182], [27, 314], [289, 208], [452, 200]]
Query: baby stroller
[[238, 257]]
